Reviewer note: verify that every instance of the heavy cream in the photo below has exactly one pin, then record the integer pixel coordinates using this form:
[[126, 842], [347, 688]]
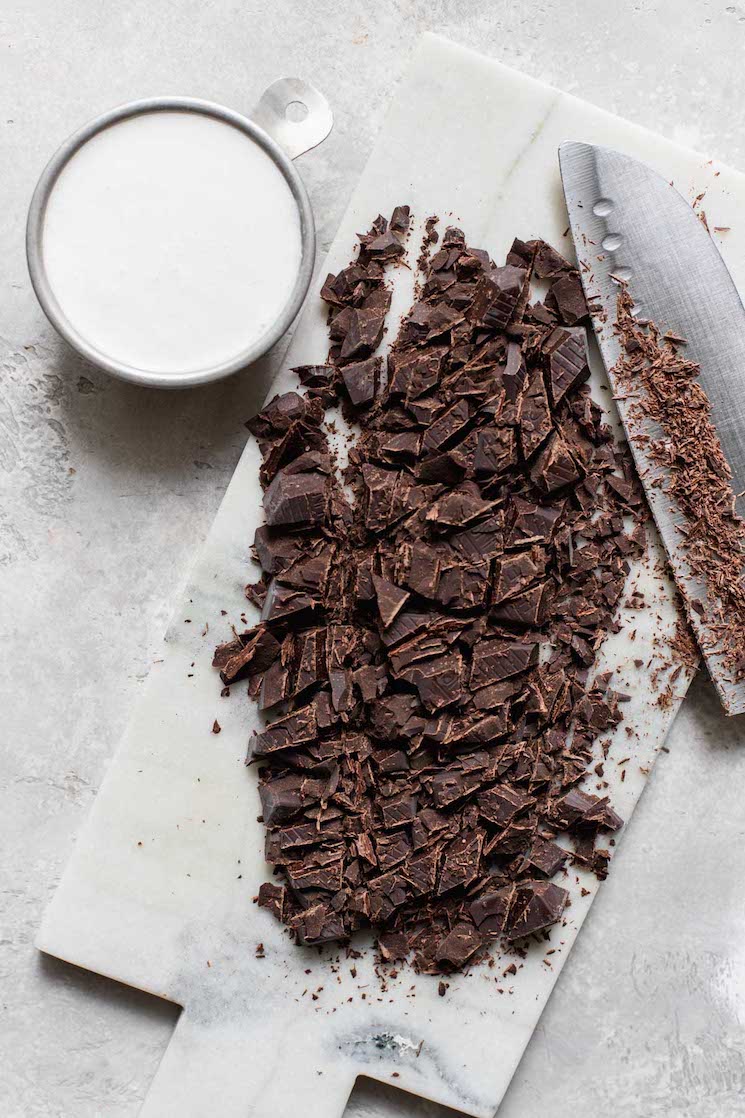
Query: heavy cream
[[171, 241]]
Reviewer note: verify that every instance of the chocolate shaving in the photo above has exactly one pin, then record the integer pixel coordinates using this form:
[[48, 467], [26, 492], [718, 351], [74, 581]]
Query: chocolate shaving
[[670, 417]]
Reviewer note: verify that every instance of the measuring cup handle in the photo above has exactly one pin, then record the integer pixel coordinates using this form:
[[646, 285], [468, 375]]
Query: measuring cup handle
[[300, 135]]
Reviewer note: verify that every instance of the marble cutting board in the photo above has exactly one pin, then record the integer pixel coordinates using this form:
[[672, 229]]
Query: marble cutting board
[[158, 891]]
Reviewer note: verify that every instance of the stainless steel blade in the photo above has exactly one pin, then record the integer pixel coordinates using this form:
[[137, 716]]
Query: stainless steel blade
[[627, 221]]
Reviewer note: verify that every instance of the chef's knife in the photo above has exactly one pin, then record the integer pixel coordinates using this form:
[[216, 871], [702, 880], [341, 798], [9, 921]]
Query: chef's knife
[[629, 222]]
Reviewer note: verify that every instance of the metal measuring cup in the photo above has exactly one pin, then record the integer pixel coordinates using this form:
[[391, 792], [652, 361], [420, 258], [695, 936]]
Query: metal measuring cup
[[281, 138]]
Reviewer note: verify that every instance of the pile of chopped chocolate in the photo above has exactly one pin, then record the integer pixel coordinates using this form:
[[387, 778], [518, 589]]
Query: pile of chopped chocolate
[[664, 387], [430, 622]]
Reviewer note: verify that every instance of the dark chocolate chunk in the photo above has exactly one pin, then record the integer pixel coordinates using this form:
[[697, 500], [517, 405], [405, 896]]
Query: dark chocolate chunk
[[361, 380], [566, 349], [392, 849], [390, 598], [517, 572], [568, 299], [528, 609], [283, 602], [396, 716], [366, 325], [275, 552], [554, 468], [322, 381], [413, 373], [496, 660], [459, 508], [400, 219], [547, 262], [501, 804], [458, 946], [537, 905], [450, 786], [398, 810], [386, 246], [491, 910], [310, 659], [439, 680], [579, 807], [249, 654], [387, 894], [421, 872], [272, 897], [461, 861], [546, 857], [318, 924], [535, 417], [515, 372], [446, 428], [420, 568], [275, 685], [533, 523], [283, 797], [495, 452], [322, 869], [280, 415], [299, 500], [290, 732], [383, 497], [497, 296]]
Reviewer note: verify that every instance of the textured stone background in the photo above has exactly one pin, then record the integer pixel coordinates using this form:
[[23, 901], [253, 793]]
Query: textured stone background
[[106, 491]]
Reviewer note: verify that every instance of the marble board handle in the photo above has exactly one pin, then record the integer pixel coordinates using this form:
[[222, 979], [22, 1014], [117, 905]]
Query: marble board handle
[[302, 129], [235, 1063]]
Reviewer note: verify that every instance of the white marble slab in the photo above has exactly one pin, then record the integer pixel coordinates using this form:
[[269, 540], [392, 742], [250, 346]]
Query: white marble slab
[[158, 892]]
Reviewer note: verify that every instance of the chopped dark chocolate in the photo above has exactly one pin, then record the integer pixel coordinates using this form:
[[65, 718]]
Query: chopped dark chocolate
[[554, 468], [431, 618], [490, 911], [400, 219], [546, 857], [275, 552], [248, 654], [365, 328], [390, 598], [284, 796], [537, 905], [496, 297], [272, 897], [495, 660], [290, 732], [566, 349], [461, 860], [297, 500], [458, 946], [568, 299], [500, 805], [361, 380], [439, 680], [322, 382], [535, 416], [547, 262]]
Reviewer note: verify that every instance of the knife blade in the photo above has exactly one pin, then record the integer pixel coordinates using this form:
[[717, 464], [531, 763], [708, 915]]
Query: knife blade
[[629, 222]]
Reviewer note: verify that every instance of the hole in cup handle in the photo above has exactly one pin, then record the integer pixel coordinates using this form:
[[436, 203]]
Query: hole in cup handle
[[294, 135]]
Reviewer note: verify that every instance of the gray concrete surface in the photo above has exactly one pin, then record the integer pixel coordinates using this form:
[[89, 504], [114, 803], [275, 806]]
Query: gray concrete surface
[[106, 491]]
